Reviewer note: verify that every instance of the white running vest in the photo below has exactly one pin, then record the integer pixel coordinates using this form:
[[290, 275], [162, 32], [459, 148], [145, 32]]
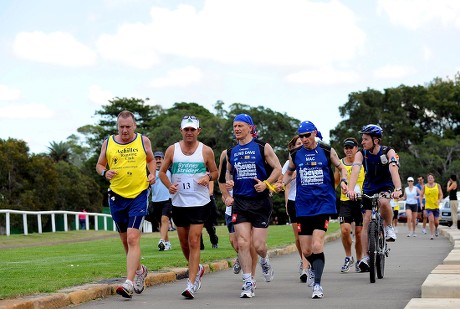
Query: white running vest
[[186, 171]]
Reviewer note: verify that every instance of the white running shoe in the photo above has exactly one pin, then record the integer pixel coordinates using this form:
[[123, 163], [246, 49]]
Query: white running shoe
[[348, 263], [126, 289], [161, 245], [199, 274], [424, 231], [364, 264], [304, 276], [167, 245], [248, 290], [189, 291], [267, 270], [436, 233], [139, 280], [310, 277], [317, 291], [390, 233]]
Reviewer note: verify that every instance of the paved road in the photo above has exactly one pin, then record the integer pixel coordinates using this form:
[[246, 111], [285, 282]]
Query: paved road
[[410, 262]]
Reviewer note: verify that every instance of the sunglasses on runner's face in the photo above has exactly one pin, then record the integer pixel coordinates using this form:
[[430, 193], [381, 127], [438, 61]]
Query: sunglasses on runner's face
[[410, 181], [348, 147], [189, 129], [306, 135]]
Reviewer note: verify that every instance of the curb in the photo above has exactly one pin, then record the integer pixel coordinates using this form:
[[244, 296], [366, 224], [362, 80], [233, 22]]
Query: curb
[[87, 292]]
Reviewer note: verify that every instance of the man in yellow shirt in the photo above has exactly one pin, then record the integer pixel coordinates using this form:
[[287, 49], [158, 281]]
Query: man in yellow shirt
[[127, 156]]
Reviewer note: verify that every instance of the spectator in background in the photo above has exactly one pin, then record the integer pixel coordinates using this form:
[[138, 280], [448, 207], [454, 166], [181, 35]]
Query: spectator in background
[[452, 190], [82, 219]]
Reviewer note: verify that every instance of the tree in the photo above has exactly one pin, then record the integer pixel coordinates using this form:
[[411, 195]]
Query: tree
[[59, 151]]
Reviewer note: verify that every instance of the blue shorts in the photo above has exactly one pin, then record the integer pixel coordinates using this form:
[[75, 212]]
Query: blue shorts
[[128, 212], [435, 212]]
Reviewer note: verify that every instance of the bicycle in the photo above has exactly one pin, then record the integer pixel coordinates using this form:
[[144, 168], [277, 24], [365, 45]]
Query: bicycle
[[377, 245]]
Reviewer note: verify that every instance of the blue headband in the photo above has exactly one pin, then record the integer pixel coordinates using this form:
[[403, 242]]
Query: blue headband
[[244, 118], [308, 126]]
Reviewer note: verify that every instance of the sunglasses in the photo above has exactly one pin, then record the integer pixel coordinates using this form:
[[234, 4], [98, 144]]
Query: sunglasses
[[189, 129], [348, 147], [189, 117], [410, 181], [306, 135]]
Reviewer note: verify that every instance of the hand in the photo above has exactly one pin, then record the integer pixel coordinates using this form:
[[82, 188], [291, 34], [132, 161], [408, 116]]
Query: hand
[[351, 195], [110, 174], [260, 186], [173, 188], [229, 184], [396, 194], [151, 178]]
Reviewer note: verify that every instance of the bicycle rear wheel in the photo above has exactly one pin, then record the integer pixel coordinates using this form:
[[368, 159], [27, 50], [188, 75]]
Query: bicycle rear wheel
[[381, 252], [372, 232]]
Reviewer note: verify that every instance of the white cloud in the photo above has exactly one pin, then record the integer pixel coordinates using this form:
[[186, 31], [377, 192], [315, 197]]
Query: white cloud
[[9, 94], [58, 48], [393, 72], [179, 77], [427, 53], [25, 111], [323, 76], [291, 32], [99, 96], [414, 14]]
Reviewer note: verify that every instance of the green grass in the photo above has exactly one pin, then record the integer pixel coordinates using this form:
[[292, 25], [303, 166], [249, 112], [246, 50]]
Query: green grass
[[48, 262]]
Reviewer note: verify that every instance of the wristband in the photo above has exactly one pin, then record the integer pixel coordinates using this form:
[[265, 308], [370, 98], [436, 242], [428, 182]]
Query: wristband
[[210, 177], [398, 189], [269, 186], [344, 180], [103, 173]]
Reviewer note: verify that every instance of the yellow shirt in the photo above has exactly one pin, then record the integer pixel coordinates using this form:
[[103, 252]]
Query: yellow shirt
[[359, 182], [431, 197], [129, 161]]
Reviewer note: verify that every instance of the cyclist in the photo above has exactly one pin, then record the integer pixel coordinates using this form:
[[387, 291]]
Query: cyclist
[[381, 168]]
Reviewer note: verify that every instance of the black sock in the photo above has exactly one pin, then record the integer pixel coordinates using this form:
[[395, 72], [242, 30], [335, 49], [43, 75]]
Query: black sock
[[318, 261]]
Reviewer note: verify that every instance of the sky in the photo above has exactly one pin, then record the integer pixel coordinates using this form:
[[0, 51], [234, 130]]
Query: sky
[[60, 61]]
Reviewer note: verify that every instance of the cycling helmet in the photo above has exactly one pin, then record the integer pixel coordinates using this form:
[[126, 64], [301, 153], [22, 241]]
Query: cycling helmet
[[372, 130]]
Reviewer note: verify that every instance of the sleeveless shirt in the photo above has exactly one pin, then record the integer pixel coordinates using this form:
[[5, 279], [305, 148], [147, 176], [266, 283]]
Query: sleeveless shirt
[[411, 196], [315, 192], [186, 171], [377, 171], [359, 183], [247, 163], [129, 161], [431, 197]]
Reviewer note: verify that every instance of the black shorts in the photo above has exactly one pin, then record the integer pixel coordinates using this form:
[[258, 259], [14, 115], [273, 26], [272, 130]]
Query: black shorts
[[256, 211], [350, 211], [291, 211], [395, 214], [163, 208], [184, 216], [412, 207], [306, 225]]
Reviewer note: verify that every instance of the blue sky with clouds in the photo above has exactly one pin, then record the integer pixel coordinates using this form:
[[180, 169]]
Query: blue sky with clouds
[[61, 60]]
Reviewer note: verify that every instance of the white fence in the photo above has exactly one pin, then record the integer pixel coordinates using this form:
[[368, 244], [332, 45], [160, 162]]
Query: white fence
[[146, 227]]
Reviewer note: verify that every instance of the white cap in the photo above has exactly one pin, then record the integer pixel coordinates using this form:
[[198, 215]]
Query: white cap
[[190, 122], [410, 179]]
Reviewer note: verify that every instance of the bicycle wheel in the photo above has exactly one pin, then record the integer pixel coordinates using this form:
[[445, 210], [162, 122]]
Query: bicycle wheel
[[372, 232], [381, 251]]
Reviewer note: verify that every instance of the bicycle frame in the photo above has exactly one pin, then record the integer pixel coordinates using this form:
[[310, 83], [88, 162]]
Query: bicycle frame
[[377, 244]]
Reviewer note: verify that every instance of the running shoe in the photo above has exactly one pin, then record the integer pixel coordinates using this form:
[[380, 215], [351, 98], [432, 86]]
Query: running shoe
[[301, 267], [364, 264], [126, 289], [199, 274], [317, 291], [139, 280], [248, 290], [414, 235], [432, 237], [254, 286], [348, 263], [390, 233], [267, 270], [310, 277], [304, 276], [215, 246], [167, 245], [436, 233], [424, 231], [236, 267], [409, 235], [357, 269], [161, 245], [189, 291]]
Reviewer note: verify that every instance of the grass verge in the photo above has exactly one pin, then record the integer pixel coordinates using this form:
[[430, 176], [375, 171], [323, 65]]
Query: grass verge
[[45, 263]]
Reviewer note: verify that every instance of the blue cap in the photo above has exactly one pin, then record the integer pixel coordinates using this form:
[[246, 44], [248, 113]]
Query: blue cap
[[308, 126], [159, 154], [244, 118]]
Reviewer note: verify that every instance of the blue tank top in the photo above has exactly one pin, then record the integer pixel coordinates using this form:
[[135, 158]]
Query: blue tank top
[[378, 177], [315, 192], [247, 163]]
